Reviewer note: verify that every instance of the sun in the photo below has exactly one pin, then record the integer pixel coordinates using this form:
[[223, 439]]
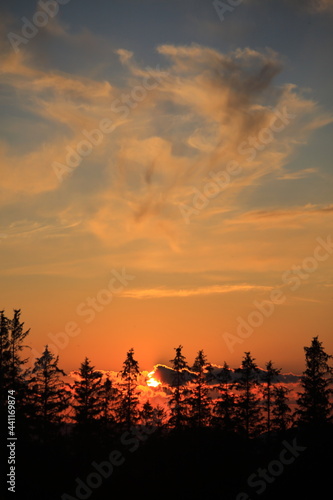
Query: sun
[[152, 382]]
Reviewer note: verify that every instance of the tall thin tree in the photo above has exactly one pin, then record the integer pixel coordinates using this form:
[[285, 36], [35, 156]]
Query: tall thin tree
[[109, 399], [4, 356], [281, 412], [129, 406], [178, 403], [270, 376], [249, 410], [225, 415], [87, 404], [199, 400], [16, 374], [314, 405], [50, 398]]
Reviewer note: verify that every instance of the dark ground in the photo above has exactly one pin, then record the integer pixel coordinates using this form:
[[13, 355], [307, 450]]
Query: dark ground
[[189, 465]]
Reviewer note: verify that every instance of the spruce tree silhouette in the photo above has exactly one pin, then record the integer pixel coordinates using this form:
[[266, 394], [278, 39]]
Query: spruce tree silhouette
[[129, 404], [281, 412], [110, 398], [269, 377], [248, 404], [159, 416], [17, 335], [178, 404], [13, 376], [151, 416], [314, 406], [199, 402], [4, 358], [225, 416], [87, 404], [147, 414], [49, 397]]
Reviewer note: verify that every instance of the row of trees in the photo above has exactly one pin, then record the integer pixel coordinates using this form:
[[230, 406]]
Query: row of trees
[[247, 402], [234, 400]]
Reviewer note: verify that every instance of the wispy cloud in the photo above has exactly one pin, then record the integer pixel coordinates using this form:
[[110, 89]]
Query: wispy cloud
[[295, 215], [161, 292], [125, 196], [300, 174]]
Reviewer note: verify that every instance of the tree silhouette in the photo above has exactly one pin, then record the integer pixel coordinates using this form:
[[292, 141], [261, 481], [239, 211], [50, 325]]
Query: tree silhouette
[[87, 404], [4, 369], [50, 398], [178, 403], [248, 404], [225, 406], [109, 398], [4, 356], [314, 406], [96, 401], [151, 416], [199, 401], [128, 411], [12, 374], [159, 416], [147, 414], [17, 336], [281, 412], [271, 375]]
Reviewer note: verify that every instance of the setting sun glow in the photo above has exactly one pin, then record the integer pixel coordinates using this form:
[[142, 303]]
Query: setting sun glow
[[152, 382]]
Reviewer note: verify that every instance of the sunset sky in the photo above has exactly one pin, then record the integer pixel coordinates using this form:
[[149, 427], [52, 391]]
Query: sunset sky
[[166, 169]]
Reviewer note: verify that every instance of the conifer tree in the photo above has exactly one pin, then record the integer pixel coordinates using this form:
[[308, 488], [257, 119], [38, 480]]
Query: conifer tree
[[178, 403], [4, 369], [50, 398], [16, 374], [314, 406], [269, 377], [147, 413], [248, 404], [151, 416], [199, 402], [13, 376], [87, 405], [4, 356], [281, 412], [225, 406], [109, 399], [129, 406], [159, 416]]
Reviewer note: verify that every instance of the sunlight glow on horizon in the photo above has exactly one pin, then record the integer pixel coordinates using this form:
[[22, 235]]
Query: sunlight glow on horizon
[[152, 382]]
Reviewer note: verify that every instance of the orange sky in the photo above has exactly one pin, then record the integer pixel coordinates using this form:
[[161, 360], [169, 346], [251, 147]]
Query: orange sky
[[158, 187]]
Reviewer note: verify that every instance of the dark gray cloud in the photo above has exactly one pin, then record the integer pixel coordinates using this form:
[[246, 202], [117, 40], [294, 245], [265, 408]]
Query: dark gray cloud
[[166, 375]]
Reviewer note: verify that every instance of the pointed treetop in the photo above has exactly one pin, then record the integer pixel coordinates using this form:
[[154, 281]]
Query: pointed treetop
[[179, 361]]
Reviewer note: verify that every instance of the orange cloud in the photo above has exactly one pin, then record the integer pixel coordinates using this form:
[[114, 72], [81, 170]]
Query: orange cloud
[[208, 290]]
